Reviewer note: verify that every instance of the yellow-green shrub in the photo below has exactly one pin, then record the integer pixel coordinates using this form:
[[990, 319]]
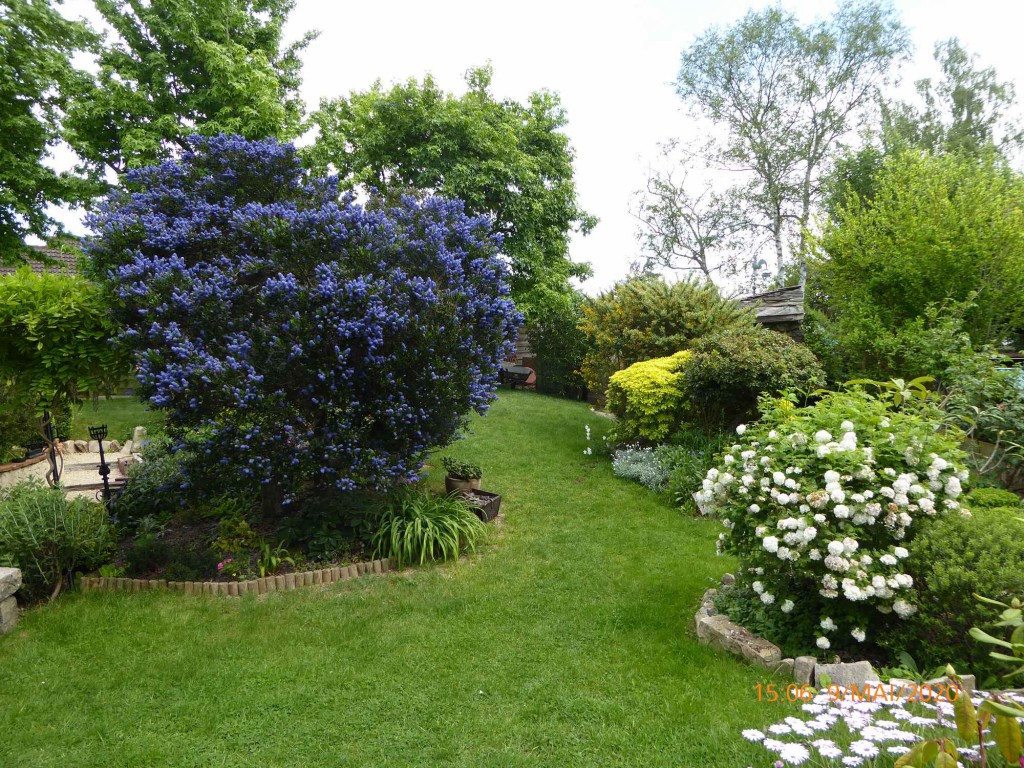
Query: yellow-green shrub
[[647, 398]]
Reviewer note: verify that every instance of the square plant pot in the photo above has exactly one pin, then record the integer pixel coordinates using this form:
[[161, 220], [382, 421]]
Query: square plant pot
[[484, 503]]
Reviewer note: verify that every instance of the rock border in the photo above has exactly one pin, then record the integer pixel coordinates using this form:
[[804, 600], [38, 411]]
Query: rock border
[[718, 631], [279, 583]]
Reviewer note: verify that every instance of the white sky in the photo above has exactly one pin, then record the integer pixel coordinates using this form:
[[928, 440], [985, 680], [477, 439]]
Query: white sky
[[612, 63]]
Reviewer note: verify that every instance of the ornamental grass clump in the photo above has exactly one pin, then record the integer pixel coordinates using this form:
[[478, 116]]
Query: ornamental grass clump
[[821, 505], [419, 527]]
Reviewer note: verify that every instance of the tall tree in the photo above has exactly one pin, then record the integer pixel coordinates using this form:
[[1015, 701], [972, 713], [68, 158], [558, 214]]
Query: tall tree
[[787, 95], [508, 161], [687, 225], [179, 67], [969, 110], [37, 82]]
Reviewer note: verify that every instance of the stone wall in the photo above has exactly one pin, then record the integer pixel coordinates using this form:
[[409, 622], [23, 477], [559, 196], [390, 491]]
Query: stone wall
[[10, 581]]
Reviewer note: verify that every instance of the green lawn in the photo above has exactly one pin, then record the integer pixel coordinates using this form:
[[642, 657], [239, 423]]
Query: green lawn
[[569, 642], [120, 414]]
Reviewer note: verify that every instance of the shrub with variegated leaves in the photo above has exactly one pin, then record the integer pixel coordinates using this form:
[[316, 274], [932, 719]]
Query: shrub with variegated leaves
[[821, 505]]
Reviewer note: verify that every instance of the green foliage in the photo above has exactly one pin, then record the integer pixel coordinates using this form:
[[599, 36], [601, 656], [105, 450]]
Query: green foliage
[[49, 537], [19, 426], [146, 554], [695, 452], [989, 498], [178, 68], [55, 338], [645, 317], [420, 527], [938, 230], [461, 470], [647, 398], [986, 397], [154, 483], [553, 320], [234, 536], [270, 559], [729, 370], [1009, 618], [953, 559], [38, 82], [508, 161]]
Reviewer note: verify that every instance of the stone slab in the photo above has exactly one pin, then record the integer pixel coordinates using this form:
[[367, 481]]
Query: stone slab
[[8, 614], [10, 582], [855, 673], [803, 669], [719, 632]]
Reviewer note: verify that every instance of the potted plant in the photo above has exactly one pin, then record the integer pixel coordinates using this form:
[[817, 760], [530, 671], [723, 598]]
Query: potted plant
[[460, 475]]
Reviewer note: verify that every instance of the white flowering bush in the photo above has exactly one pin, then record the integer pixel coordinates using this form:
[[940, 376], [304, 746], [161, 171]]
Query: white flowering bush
[[821, 505]]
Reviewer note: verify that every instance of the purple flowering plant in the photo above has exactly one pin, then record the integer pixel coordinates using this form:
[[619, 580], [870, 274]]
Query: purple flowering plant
[[299, 338]]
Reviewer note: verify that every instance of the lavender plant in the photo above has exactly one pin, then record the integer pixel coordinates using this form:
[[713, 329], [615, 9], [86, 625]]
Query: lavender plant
[[305, 340]]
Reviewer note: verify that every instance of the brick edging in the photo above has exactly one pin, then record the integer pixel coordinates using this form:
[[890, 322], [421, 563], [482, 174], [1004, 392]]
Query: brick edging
[[278, 583]]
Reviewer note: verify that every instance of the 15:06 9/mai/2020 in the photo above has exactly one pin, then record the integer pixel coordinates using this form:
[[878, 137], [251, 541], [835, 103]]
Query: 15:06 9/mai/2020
[[930, 692]]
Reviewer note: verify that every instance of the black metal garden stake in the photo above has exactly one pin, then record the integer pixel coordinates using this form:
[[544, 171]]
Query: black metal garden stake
[[97, 434]]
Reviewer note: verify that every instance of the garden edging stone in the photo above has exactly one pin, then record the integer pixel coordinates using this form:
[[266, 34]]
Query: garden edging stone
[[719, 631], [279, 583]]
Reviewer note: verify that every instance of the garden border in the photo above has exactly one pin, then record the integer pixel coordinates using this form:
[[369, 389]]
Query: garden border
[[278, 583], [717, 630]]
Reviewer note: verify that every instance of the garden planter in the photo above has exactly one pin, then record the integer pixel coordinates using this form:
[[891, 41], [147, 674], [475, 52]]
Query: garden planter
[[484, 503], [454, 484]]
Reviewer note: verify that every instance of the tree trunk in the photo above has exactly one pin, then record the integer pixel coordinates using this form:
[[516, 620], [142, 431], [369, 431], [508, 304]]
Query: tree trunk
[[271, 500]]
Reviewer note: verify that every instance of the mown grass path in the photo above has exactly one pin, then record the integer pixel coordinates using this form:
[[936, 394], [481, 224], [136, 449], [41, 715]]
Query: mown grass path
[[568, 643]]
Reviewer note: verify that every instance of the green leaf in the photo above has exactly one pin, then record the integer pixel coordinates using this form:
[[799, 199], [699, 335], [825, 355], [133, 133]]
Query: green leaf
[[985, 637], [1000, 708], [1006, 731], [966, 717]]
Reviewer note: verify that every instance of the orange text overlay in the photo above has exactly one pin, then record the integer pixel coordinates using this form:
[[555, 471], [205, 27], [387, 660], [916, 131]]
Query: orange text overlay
[[930, 692]]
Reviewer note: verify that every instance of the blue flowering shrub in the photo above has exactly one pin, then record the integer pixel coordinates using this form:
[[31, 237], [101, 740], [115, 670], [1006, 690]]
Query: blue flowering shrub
[[312, 342], [822, 505]]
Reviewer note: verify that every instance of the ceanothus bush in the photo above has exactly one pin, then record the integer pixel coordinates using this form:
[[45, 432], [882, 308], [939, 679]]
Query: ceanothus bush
[[303, 339]]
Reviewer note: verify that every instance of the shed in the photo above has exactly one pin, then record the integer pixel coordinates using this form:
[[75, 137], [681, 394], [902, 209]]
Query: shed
[[781, 310]]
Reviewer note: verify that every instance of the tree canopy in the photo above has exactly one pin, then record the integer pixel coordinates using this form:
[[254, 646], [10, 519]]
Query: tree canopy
[[938, 229], [38, 82], [505, 160], [787, 94], [178, 67]]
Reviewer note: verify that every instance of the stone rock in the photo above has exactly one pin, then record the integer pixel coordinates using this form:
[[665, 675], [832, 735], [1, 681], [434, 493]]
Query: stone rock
[[139, 436], [94, 446], [728, 580], [783, 669], [803, 669], [8, 614], [719, 632], [113, 446], [709, 596], [81, 446], [856, 673], [10, 581], [969, 681]]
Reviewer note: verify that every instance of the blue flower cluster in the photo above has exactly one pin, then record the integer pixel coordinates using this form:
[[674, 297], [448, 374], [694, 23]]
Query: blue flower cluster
[[304, 337]]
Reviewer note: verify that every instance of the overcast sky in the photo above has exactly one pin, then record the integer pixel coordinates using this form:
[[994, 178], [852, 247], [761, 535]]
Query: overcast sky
[[612, 63]]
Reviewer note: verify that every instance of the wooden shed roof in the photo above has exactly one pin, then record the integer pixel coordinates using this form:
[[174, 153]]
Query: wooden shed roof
[[784, 305]]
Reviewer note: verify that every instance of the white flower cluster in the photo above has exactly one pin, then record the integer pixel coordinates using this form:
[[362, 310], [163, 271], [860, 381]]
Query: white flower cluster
[[850, 730], [813, 506]]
